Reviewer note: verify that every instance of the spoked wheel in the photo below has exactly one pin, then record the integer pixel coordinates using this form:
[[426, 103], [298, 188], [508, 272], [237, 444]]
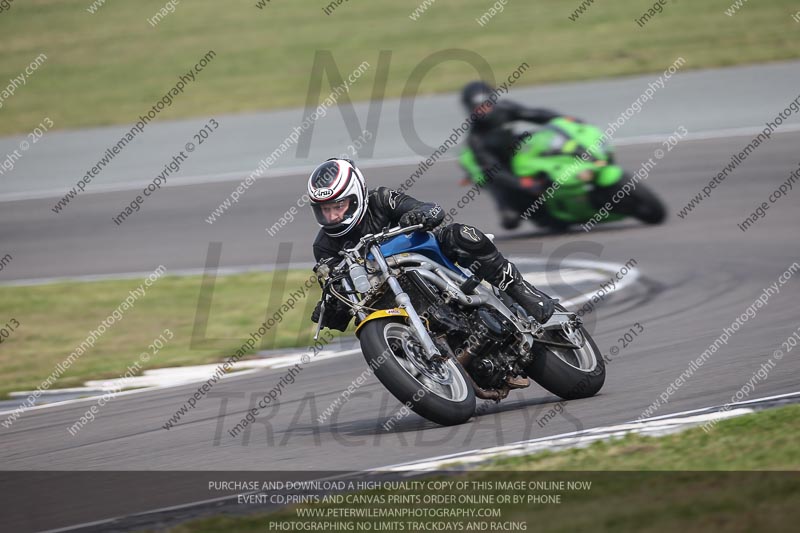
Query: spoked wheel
[[568, 372], [439, 391]]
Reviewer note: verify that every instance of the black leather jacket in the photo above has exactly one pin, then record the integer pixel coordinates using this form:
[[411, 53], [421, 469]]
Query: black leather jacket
[[384, 208]]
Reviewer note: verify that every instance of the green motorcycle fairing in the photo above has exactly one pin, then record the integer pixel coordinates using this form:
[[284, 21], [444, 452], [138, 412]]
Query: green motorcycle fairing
[[562, 150]]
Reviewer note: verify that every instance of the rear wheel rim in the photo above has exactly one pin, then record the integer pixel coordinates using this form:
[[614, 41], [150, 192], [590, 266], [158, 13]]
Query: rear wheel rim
[[583, 359]]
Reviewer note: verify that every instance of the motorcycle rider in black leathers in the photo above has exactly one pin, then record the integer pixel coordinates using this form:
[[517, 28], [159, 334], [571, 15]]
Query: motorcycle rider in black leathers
[[491, 140], [346, 210]]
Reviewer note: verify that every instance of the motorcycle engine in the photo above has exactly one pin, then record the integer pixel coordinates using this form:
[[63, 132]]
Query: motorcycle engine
[[492, 334]]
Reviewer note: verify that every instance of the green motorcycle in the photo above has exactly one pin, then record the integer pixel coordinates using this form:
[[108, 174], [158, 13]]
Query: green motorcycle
[[583, 185]]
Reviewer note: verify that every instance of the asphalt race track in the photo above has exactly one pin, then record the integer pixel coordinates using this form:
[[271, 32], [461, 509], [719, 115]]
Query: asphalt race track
[[699, 274]]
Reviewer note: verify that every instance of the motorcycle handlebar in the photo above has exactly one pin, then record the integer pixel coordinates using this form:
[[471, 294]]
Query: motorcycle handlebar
[[386, 233], [392, 232]]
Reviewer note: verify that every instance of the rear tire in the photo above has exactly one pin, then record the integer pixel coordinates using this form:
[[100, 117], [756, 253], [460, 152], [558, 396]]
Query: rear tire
[[569, 374], [443, 395]]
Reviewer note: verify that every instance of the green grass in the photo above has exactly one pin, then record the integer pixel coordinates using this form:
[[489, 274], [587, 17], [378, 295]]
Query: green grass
[[767, 441], [111, 66], [703, 488], [55, 319]]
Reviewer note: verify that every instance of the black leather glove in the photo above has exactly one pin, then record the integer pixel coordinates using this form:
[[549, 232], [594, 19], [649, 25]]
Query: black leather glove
[[337, 315], [428, 218], [411, 218], [316, 312]]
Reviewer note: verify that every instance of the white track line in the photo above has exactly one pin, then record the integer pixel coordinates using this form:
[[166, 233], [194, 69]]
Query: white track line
[[86, 278], [435, 462], [743, 402], [661, 425], [366, 163], [610, 269]]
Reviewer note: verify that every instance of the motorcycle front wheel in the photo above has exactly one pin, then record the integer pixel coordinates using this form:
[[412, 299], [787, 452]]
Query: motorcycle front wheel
[[440, 392], [641, 202]]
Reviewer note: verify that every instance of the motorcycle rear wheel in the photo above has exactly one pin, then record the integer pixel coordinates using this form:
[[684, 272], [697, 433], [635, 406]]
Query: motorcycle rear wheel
[[568, 373]]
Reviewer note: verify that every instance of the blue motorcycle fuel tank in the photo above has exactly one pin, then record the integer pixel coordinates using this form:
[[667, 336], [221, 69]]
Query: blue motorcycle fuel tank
[[419, 242]]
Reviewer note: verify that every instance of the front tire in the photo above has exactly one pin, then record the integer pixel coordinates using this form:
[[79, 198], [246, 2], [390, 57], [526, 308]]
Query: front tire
[[647, 206], [568, 373], [643, 204], [443, 395]]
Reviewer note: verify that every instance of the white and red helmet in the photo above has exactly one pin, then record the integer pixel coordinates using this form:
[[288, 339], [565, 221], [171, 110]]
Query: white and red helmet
[[334, 181]]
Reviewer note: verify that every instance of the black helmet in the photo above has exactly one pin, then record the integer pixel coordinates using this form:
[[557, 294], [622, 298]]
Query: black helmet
[[474, 94]]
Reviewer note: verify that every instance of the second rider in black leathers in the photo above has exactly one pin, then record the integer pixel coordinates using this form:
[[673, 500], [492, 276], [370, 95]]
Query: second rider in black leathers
[[491, 139]]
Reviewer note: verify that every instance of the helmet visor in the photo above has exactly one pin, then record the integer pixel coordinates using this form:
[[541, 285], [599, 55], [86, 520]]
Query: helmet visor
[[337, 213]]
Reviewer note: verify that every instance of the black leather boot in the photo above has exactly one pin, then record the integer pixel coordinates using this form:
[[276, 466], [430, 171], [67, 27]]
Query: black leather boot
[[504, 275], [539, 307], [532, 301]]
